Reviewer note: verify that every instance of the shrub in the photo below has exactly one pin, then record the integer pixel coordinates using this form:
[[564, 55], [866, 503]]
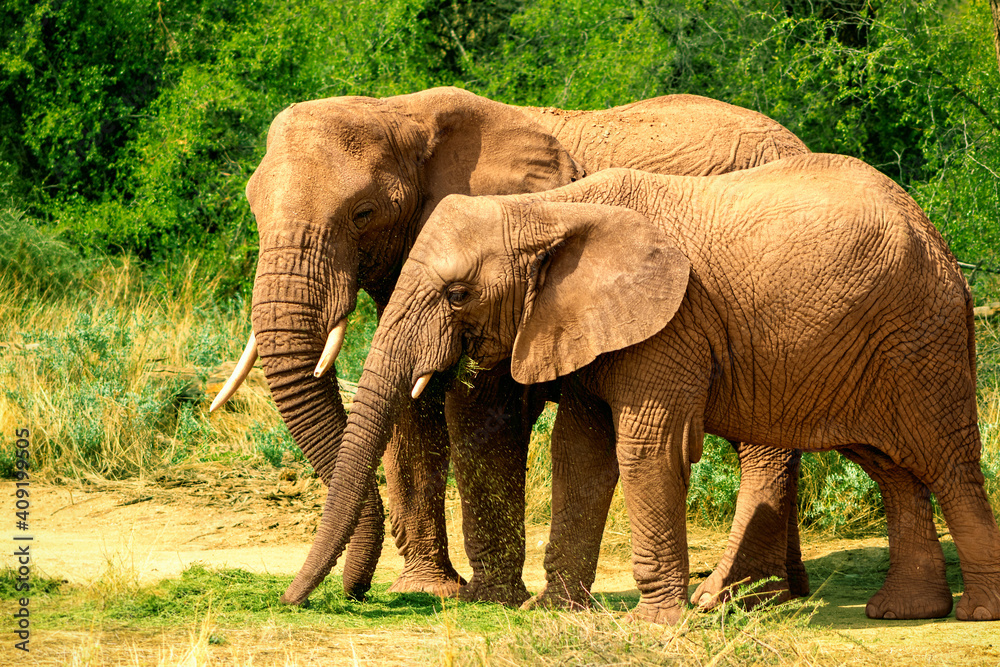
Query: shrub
[[106, 417], [34, 261]]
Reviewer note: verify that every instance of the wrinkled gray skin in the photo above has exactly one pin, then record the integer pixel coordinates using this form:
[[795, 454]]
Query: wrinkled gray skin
[[806, 303], [341, 194]]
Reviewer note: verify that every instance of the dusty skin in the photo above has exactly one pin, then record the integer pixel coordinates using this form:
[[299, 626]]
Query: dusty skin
[[259, 522]]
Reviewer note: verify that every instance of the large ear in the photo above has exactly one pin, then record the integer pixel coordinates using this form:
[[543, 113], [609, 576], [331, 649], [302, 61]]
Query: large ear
[[480, 147], [606, 279]]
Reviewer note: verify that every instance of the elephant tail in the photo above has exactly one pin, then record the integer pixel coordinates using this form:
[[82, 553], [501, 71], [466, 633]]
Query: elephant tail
[[970, 319]]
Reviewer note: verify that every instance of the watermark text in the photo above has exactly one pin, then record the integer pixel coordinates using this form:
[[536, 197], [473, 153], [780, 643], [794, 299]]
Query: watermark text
[[22, 540]]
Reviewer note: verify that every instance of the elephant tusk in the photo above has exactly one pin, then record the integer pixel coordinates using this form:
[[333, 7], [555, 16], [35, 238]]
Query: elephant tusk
[[333, 344], [240, 373], [419, 385]]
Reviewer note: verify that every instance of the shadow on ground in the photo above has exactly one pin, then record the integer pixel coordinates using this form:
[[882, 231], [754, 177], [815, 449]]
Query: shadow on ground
[[844, 581]]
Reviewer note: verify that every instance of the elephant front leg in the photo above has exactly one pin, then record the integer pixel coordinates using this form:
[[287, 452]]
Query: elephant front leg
[[490, 427], [416, 470], [764, 539], [655, 473], [584, 475]]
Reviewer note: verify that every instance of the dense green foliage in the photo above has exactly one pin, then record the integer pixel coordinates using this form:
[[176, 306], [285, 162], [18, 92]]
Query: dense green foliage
[[133, 125]]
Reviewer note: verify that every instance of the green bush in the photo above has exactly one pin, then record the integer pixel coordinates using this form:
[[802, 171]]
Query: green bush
[[75, 76], [274, 442], [105, 419], [135, 125], [714, 484], [34, 261]]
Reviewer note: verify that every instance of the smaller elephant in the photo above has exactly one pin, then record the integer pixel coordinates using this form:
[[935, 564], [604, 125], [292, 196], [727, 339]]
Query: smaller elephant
[[807, 302]]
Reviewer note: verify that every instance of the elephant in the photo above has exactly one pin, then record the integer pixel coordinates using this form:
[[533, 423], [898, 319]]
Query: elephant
[[806, 303], [342, 192]]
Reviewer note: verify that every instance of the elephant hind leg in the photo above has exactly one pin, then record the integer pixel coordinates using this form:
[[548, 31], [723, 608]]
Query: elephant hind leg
[[764, 540], [916, 585], [974, 529], [795, 568]]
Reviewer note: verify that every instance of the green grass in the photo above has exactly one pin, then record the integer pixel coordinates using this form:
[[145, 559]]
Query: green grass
[[236, 600], [238, 597]]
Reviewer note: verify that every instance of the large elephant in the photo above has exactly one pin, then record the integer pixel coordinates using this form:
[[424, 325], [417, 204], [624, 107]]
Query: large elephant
[[805, 303], [343, 190]]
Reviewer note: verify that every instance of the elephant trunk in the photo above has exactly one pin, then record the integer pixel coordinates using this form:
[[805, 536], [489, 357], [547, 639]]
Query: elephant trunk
[[291, 315], [365, 440]]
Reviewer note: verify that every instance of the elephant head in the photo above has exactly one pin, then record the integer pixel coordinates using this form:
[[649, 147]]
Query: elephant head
[[551, 286]]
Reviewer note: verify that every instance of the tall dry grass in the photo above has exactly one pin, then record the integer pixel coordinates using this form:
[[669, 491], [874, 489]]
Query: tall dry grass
[[729, 635], [103, 364]]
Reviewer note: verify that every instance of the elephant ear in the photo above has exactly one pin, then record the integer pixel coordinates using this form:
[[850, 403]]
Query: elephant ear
[[480, 147], [607, 278]]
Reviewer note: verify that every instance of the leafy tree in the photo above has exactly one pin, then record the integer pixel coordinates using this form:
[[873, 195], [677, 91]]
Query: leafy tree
[[135, 124], [76, 77]]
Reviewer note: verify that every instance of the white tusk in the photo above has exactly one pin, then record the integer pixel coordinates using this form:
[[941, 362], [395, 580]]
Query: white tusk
[[333, 344], [419, 385], [240, 373]]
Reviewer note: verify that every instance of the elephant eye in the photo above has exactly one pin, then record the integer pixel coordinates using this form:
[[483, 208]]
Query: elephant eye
[[361, 218], [457, 295]]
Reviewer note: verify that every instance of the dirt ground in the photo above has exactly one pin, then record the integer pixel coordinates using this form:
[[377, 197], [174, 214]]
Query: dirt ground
[[155, 528]]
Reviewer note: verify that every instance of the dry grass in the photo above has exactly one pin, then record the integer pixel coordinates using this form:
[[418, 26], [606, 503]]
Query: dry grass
[[80, 373], [729, 636]]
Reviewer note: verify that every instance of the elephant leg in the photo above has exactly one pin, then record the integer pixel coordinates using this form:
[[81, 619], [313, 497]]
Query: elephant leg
[[795, 569], [416, 471], [584, 475], [916, 585], [764, 540], [490, 426], [654, 467], [974, 528]]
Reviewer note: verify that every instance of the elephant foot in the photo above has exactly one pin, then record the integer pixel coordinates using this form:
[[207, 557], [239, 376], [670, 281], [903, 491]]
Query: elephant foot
[[798, 578], [440, 581], [723, 584], [558, 600], [910, 599], [664, 613], [511, 594], [981, 599]]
